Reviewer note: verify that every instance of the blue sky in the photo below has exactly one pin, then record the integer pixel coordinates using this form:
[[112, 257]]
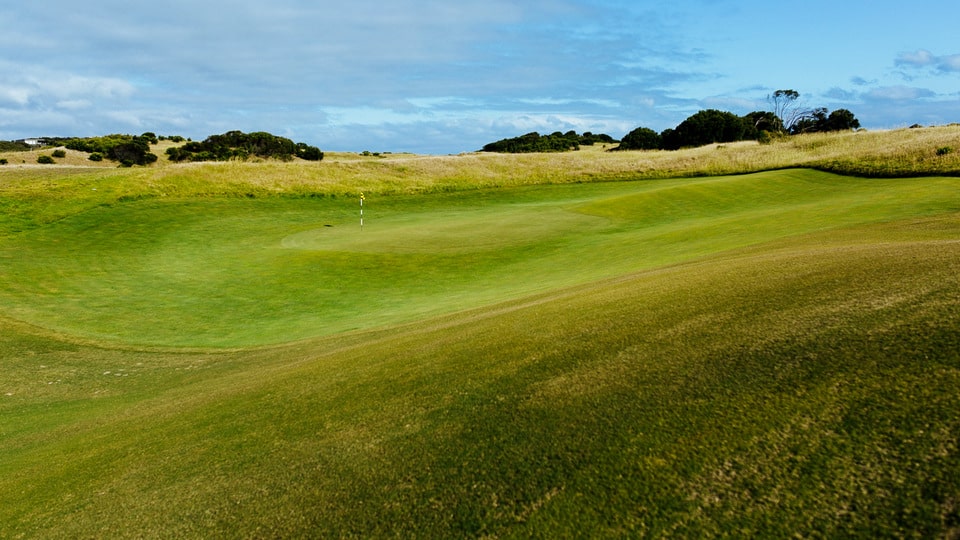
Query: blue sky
[[436, 76]]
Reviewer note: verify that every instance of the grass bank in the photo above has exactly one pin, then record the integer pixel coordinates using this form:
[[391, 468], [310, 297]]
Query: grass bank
[[805, 386], [240, 272], [67, 189]]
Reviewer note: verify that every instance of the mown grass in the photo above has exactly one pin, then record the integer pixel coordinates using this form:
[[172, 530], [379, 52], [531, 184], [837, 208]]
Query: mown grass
[[238, 272], [805, 386], [190, 351]]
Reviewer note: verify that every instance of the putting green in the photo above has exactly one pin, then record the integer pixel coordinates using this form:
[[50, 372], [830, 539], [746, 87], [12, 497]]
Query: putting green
[[238, 272], [450, 232]]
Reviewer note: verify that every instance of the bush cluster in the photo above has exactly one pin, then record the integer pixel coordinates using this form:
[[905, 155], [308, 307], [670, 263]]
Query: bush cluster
[[714, 126], [14, 146], [820, 120], [704, 127], [554, 142], [129, 150], [239, 145]]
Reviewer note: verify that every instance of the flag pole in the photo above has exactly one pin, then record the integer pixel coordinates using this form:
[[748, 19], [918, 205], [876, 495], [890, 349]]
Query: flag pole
[[361, 210]]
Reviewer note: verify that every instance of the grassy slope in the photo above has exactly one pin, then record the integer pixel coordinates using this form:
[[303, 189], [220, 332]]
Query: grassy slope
[[33, 195], [760, 354], [272, 270], [807, 386]]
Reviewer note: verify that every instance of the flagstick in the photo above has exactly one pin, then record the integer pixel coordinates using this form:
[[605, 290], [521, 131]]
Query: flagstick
[[361, 210]]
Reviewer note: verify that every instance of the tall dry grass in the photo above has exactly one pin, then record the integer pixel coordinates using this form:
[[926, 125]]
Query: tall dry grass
[[894, 153]]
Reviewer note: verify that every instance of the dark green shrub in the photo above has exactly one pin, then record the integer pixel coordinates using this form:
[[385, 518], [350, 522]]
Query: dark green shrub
[[309, 153], [96, 156], [589, 139], [45, 160], [534, 142], [14, 146], [59, 153], [243, 146], [642, 138], [3, 161], [944, 150], [705, 127]]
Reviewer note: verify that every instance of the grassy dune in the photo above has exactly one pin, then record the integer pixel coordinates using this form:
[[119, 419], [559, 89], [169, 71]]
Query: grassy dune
[[35, 194], [764, 354], [239, 272]]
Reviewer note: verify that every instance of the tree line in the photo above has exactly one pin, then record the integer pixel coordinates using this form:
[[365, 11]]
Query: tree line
[[709, 126], [554, 142], [239, 145], [128, 150], [131, 150]]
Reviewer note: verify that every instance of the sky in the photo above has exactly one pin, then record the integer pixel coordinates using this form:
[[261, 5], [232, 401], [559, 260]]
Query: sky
[[445, 76]]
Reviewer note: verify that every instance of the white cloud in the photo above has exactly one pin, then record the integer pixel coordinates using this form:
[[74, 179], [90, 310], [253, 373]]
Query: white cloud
[[439, 75], [899, 93], [950, 63], [839, 94], [548, 102], [923, 59], [916, 58], [733, 104], [74, 104], [15, 95], [26, 84], [128, 118]]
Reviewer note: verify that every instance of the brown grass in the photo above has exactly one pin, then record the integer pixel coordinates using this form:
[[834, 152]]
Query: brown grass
[[895, 153]]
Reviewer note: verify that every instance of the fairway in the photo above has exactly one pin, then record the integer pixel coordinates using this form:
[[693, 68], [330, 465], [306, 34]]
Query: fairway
[[760, 355], [239, 272]]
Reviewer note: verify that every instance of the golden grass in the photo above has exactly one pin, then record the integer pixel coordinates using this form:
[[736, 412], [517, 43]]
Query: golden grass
[[904, 152], [894, 153]]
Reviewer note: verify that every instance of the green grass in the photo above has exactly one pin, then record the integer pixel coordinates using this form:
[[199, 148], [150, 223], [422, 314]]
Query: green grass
[[31, 195], [756, 355], [240, 272]]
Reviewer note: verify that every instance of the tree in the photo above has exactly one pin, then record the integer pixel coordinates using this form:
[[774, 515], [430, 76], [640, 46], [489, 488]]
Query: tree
[[239, 145], [759, 121], [534, 142], [129, 150], [818, 120], [133, 152], [705, 127], [309, 153], [842, 120], [786, 107], [589, 139], [812, 122], [641, 138]]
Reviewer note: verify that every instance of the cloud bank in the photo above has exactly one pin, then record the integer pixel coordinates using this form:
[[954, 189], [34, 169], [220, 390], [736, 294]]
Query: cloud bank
[[440, 77]]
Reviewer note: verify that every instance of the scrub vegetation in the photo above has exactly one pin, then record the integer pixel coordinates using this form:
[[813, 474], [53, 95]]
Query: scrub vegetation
[[750, 340]]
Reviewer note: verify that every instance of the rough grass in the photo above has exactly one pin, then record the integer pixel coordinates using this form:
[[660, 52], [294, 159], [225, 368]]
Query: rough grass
[[68, 189]]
